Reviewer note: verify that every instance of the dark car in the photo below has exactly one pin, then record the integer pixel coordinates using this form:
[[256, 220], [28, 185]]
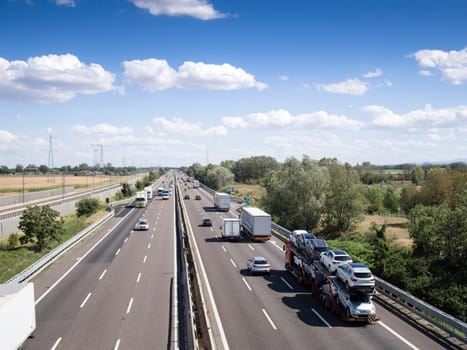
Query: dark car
[[206, 222], [187, 196], [303, 238], [198, 197], [315, 247]]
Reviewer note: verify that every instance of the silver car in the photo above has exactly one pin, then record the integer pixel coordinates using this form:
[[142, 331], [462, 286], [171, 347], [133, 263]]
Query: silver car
[[356, 275], [258, 264], [142, 224]]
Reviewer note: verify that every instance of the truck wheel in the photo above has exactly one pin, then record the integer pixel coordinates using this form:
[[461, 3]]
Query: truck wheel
[[347, 312]]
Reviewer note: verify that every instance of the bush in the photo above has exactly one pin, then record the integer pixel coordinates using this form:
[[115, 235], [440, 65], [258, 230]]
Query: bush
[[13, 241], [87, 206]]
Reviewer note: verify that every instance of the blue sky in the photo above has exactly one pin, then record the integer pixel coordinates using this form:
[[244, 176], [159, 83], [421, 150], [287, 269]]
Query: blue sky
[[173, 82]]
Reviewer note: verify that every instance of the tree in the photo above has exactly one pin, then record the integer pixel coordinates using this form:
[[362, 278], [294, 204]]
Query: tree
[[295, 193], [40, 226], [375, 198], [44, 169], [342, 205], [126, 190], [417, 174], [87, 206], [19, 169], [218, 177], [391, 199]]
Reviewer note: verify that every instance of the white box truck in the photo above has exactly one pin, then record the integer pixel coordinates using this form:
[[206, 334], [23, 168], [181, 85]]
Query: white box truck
[[195, 183], [148, 190], [230, 229], [17, 314], [256, 223], [222, 201]]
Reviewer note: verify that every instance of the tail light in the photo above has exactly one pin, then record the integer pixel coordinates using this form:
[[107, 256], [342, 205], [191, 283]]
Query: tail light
[[353, 279]]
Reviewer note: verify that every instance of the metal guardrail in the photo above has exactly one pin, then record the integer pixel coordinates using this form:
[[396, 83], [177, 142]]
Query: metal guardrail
[[31, 271]]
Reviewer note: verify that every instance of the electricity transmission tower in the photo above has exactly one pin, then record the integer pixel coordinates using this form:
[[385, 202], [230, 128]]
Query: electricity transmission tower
[[98, 155], [50, 165]]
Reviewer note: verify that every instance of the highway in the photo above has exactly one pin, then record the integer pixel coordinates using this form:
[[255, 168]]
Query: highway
[[274, 312], [113, 291]]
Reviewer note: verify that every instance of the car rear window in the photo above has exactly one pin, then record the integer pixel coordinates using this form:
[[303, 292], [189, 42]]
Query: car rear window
[[321, 249], [342, 258], [362, 274], [261, 262]]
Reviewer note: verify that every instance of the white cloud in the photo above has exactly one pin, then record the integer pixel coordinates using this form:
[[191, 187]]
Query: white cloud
[[282, 118], [200, 9], [153, 75], [421, 118], [70, 3], [6, 136], [102, 129], [284, 78], [425, 73], [179, 126], [452, 64], [387, 82], [350, 87], [378, 72], [51, 78]]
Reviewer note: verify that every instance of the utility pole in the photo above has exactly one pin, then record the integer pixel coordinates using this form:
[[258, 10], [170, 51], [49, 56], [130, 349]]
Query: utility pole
[[51, 177]]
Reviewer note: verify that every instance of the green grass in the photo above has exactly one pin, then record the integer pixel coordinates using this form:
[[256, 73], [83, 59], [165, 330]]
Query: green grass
[[15, 260]]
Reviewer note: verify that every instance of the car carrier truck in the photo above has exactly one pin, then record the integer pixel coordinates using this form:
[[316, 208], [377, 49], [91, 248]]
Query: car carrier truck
[[17, 314], [350, 304], [222, 201], [230, 229], [255, 223]]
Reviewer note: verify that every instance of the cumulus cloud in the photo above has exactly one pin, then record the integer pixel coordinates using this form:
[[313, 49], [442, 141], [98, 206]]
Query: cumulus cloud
[[179, 126], [102, 129], [51, 78], [378, 72], [452, 64], [153, 75], [350, 87], [282, 118], [418, 119], [6, 136], [200, 9]]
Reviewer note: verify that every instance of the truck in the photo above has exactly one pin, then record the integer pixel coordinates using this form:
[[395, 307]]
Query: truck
[[141, 199], [230, 229], [222, 201], [255, 223], [148, 190], [17, 314], [350, 304], [195, 183]]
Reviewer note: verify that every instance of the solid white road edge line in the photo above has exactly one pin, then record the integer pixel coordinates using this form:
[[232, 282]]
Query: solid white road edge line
[[287, 283], [175, 284], [76, 263], [269, 319], [247, 285], [56, 343], [85, 301], [397, 335], [208, 287], [321, 318]]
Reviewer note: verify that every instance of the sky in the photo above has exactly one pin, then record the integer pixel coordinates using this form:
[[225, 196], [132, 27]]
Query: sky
[[174, 82]]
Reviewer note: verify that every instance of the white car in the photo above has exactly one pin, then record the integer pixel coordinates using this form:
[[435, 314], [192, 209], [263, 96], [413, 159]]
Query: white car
[[258, 264], [357, 276], [358, 305], [333, 258], [142, 225]]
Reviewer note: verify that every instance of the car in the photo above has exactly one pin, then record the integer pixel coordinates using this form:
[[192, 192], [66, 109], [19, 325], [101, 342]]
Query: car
[[357, 276], [296, 234], [333, 258], [206, 222], [315, 247], [358, 305], [198, 197], [142, 225], [165, 196], [187, 196], [303, 238], [258, 264]]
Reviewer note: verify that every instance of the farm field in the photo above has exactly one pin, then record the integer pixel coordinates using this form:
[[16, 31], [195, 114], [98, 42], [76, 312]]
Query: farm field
[[396, 229], [13, 184]]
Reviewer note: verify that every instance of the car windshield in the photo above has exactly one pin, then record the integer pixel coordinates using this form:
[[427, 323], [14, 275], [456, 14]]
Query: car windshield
[[342, 258], [143, 222], [362, 274]]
